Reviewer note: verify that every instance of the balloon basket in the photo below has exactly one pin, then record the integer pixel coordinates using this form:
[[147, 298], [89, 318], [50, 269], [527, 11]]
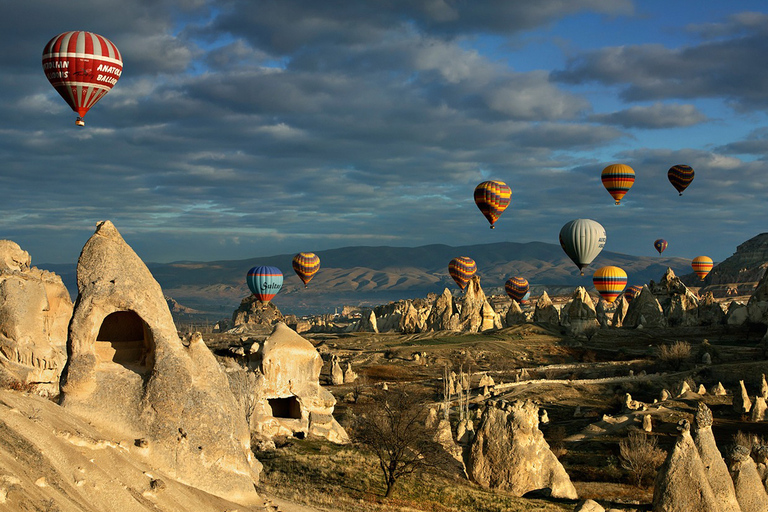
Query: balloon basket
[[79, 121]]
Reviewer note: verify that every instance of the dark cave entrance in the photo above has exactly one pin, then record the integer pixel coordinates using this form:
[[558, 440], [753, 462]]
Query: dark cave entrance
[[285, 407], [125, 339]]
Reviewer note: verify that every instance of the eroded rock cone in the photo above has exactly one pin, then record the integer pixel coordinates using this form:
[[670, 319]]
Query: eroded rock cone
[[681, 482], [741, 402], [367, 323], [579, 314], [545, 311], [710, 311], [644, 310], [621, 312], [515, 315], [256, 317], [509, 452], [746, 481], [714, 466], [679, 304], [444, 316], [35, 309]]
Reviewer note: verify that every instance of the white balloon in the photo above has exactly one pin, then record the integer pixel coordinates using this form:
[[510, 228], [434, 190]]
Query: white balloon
[[582, 240]]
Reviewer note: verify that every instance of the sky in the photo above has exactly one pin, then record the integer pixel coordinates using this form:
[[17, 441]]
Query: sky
[[247, 128]]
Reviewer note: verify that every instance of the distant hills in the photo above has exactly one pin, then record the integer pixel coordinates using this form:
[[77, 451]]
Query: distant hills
[[364, 275]]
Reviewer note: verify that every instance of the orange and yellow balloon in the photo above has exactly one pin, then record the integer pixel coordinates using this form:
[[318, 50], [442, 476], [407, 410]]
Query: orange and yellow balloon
[[306, 265], [492, 198], [462, 269], [610, 281], [617, 180], [702, 265]]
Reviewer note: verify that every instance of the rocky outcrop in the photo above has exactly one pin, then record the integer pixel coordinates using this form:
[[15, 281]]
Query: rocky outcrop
[[737, 314], [579, 313], [741, 402], [367, 323], [620, 313], [509, 453], [255, 317], [515, 315], [678, 303], [444, 315], [757, 307], [405, 316], [746, 481], [714, 466], [475, 313], [645, 310], [35, 309], [681, 482], [545, 311], [130, 374], [739, 273], [710, 311]]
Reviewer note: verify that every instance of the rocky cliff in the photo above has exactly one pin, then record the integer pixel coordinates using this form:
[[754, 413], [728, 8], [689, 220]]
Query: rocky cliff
[[738, 274]]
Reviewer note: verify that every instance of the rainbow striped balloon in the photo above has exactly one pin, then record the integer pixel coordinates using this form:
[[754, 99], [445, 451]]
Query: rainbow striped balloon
[[306, 265], [680, 176], [632, 292], [516, 288], [462, 269], [610, 282], [617, 180], [660, 245], [702, 265], [492, 197], [264, 282]]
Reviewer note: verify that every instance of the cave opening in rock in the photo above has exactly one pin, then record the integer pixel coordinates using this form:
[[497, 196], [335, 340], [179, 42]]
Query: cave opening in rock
[[285, 407], [124, 338]]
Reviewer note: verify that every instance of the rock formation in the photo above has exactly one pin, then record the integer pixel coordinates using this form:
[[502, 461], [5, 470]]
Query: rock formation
[[681, 482], [515, 315], [678, 303], [509, 453], [737, 314], [746, 481], [545, 311], [350, 375], [579, 313], [35, 309], [444, 316], [129, 373], [405, 316], [758, 409], [757, 307], [475, 313], [644, 310], [714, 465], [620, 313], [589, 506], [741, 402], [647, 423], [286, 397], [602, 314], [710, 312], [719, 390], [337, 374], [255, 317]]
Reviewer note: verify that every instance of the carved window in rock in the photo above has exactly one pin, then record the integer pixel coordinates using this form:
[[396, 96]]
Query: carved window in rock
[[124, 338], [285, 407]]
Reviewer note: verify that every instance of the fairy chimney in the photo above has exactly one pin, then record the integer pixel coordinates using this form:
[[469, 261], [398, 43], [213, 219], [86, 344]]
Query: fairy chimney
[[746, 481], [714, 465], [579, 314], [546, 312], [129, 373]]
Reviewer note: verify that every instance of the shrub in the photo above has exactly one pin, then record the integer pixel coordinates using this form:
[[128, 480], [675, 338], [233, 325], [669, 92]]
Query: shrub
[[640, 456], [675, 354]]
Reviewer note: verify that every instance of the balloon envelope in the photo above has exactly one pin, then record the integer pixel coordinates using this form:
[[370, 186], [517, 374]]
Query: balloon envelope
[[609, 282], [632, 292], [702, 265], [617, 180], [462, 269], [264, 282], [660, 245], [516, 287], [306, 265], [82, 67], [492, 198], [680, 176], [582, 240]]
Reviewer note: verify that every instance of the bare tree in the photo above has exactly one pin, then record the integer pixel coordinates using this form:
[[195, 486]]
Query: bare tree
[[394, 427], [640, 456]]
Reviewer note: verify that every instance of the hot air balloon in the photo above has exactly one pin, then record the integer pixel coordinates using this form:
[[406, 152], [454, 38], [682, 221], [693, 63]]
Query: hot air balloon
[[660, 245], [516, 288], [680, 176], [82, 67], [617, 180], [526, 297], [462, 269], [306, 265], [582, 240], [265, 282], [609, 282], [702, 265], [632, 292], [492, 197]]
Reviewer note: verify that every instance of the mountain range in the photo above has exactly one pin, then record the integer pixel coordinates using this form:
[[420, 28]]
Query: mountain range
[[370, 276]]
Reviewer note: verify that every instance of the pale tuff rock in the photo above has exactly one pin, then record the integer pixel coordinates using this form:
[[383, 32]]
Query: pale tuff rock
[[681, 482], [465, 432], [602, 315], [702, 390], [664, 395], [129, 373], [719, 390], [706, 358], [337, 375], [758, 409], [407, 316], [255, 317], [763, 387], [757, 307], [682, 389], [579, 313], [515, 315], [543, 417], [444, 437], [760, 456], [367, 323], [476, 314], [509, 452], [486, 380], [710, 311], [714, 465], [737, 314], [749, 488], [287, 397], [444, 316], [35, 309], [350, 375], [644, 310], [679, 304], [647, 423], [589, 506], [741, 402], [630, 404], [545, 311], [621, 312]]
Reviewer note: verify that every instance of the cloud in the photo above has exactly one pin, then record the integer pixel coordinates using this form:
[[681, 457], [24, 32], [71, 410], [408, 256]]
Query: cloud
[[656, 116]]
